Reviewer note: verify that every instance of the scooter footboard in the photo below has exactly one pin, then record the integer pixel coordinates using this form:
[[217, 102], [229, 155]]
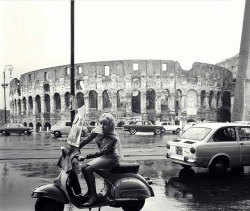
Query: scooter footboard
[[50, 191], [131, 188]]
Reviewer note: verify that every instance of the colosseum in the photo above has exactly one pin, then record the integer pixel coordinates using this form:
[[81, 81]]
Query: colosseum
[[155, 90]]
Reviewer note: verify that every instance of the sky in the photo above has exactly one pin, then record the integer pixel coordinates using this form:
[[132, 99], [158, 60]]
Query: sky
[[35, 34]]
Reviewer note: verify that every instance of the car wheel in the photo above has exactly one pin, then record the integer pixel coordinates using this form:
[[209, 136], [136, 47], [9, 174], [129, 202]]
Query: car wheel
[[4, 133], [218, 167], [132, 131], [26, 132], [157, 131], [47, 204], [178, 130], [57, 134], [133, 205]]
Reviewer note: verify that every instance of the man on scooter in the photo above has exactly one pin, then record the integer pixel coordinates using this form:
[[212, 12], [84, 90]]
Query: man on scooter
[[107, 158]]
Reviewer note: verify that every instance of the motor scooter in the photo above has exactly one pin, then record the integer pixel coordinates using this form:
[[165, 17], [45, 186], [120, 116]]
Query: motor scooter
[[123, 187]]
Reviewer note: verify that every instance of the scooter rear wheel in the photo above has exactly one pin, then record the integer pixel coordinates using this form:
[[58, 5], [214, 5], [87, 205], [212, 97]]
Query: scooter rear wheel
[[47, 204], [133, 205]]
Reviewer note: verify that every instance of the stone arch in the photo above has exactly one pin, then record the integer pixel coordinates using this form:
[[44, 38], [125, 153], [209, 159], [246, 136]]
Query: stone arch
[[67, 99], [80, 99], [19, 107], [31, 124], [203, 98], [24, 105], [211, 99], [226, 99], [165, 99], [47, 103], [178, 98], [218, 99], [30, 103], [150, 99], [38, 127], [79, 84], [191, 102], [93, 103], [121, 99], [47, 126], [57, 102], [106, 99], [38, 104], [46, 88], [25, 124], [136, 101]]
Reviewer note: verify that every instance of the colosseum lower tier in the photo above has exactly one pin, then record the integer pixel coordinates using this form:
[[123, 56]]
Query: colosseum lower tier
[[156, 90]]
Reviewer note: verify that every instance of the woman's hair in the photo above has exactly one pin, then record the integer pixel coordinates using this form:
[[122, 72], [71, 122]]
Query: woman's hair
[[109, 120]]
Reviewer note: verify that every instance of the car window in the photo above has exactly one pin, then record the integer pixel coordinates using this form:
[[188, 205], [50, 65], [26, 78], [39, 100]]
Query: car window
[[138, 123], [225, 134], [196, 133], [244, 133]]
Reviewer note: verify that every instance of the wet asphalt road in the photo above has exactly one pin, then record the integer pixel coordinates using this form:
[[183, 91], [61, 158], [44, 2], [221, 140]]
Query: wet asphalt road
[[29, 161]]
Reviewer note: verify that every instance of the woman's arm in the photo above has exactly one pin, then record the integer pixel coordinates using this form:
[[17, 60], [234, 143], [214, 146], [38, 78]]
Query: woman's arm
[[88, 139]]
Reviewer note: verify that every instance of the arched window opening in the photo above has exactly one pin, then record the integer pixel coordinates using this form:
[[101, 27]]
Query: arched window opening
[[24, 106], [67, 99], [80, 99], [57, 102], [30, 103], [150, 99], [47, 103], [106, 100], [38, 104], [203, 98], [226, 99], [93, 99], [121, 99], [136, 101], [46, 88]]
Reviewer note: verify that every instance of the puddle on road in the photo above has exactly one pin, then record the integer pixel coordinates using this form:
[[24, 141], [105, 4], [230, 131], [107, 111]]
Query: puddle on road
[[174, 188]]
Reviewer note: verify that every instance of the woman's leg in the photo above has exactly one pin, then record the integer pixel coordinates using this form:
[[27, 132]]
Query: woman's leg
[[88, 173]]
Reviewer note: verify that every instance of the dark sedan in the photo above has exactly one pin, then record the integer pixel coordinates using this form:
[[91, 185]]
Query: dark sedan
[[143, 126], [17, 128]]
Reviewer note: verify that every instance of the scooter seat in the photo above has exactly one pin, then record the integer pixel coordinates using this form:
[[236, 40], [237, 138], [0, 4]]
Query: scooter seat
[[126, 168]]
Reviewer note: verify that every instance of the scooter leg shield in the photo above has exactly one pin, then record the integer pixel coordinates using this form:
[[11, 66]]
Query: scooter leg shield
[[50, 191]]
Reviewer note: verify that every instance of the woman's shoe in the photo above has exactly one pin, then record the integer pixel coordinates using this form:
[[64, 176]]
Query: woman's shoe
[[91, 201]]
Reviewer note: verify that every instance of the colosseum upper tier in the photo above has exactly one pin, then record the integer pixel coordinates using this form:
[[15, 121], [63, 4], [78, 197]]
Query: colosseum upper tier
[[149, 89]]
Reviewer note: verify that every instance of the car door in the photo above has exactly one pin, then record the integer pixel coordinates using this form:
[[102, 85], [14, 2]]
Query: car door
[[244, 140], [226, 142]]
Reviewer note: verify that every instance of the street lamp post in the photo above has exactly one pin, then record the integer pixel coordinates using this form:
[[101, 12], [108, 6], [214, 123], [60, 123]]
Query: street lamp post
[[5, 85]]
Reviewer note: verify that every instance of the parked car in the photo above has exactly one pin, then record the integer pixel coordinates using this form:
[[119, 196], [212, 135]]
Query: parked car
[[215, 146], [143, 126], [168, 126], [188, 125], [63, 128], [18, 128]]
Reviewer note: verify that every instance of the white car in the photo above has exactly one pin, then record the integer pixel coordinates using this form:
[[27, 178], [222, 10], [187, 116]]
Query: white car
[[215, 146], [63, 128], [168, 126]]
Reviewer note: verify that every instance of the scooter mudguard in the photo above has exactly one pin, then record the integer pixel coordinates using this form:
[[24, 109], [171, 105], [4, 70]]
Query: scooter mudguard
[[50, 191], [130, 188]]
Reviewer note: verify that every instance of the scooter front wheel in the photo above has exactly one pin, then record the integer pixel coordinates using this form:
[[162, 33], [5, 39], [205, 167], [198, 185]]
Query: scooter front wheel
[[133, 205], [48, 204]]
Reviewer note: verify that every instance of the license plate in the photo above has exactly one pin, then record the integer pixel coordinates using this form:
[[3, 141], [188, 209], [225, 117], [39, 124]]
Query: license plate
[[179, 150]]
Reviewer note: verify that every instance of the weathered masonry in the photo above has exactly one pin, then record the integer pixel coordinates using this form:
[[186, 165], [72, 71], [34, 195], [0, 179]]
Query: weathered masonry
[[150, 89]]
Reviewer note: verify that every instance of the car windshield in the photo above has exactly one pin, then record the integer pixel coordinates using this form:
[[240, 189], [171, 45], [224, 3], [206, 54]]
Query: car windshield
[[196, 133]]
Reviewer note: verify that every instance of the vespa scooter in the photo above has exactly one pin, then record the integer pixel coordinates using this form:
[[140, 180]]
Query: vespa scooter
[[123, 187]]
